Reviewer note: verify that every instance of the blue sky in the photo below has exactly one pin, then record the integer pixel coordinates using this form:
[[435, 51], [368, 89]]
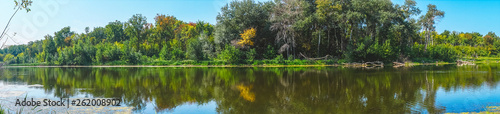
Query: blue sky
[[465, 15], [48, 16]]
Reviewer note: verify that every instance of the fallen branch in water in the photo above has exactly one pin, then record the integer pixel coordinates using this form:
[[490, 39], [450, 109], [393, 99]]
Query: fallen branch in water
[[366, 64], [319, 58], [397, 63], [461, 63]]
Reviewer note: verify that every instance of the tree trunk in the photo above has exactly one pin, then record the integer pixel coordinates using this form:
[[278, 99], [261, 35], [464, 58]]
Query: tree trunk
[[319, 42], [293, 45], [328, 44], [350, 36], [336, 38], [426, 39]]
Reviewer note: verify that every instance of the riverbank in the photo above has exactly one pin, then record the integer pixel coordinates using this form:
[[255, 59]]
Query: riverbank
[[256, 63], [435, 63], [106, 66], [110, 66], [467, 59], [484, 59], [191, 63]]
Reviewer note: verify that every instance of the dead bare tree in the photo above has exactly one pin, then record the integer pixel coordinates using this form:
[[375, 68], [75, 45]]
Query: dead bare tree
[[285, 14]]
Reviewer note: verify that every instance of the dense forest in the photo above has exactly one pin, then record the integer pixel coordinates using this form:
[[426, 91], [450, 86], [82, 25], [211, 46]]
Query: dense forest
[[249, 32]]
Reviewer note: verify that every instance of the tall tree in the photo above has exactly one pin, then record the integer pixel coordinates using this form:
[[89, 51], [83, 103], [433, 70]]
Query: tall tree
[[165, 26], [114, 32], [238, 16], [136, 29], [428, 20], [61, 35], [408, 26], [246, 37], [328, 13], [97, 35], [49, 45], [284, 16]]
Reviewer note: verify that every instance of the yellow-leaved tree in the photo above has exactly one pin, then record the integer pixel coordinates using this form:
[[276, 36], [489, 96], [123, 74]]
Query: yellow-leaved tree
[[246, 37]]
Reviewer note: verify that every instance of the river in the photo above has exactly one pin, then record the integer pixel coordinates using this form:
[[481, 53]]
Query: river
[[416, 89]]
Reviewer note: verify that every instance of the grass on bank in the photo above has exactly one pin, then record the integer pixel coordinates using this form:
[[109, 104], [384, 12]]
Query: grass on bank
[[423, 61], [484, 59], [211, 62], [29, 64], [417, 61], [427, 63]]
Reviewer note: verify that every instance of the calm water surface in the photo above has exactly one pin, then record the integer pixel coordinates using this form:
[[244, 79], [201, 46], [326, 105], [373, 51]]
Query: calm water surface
[[417, 89]]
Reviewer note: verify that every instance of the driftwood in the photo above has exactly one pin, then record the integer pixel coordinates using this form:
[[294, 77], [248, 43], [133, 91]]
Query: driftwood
[[375, 63], [398, 63], [366, 64], [352, 64], [461, 63], [319, 58]]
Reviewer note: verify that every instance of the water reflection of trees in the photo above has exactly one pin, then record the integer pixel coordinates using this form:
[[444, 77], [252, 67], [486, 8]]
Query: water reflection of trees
[[265, 90]]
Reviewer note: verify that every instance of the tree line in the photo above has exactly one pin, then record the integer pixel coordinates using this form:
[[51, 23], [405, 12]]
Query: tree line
[[248, 31]]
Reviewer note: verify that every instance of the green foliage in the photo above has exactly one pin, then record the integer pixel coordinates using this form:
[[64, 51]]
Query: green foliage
[[164, 53], [98, 56], [250, 55], [49, 47], [270, 53], [66, 56], [112, 52], [137, 30], [8, 58], [20, 58], [237, 16], [133, 57], [418, 51], [60, 36], [177, 54], [231, 55], [383, 52], [114, 32], [279, 59], [98, 35], [208, 47], [1, 57], [194, 50], [444, 52], [369, 50], [84, 52]]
